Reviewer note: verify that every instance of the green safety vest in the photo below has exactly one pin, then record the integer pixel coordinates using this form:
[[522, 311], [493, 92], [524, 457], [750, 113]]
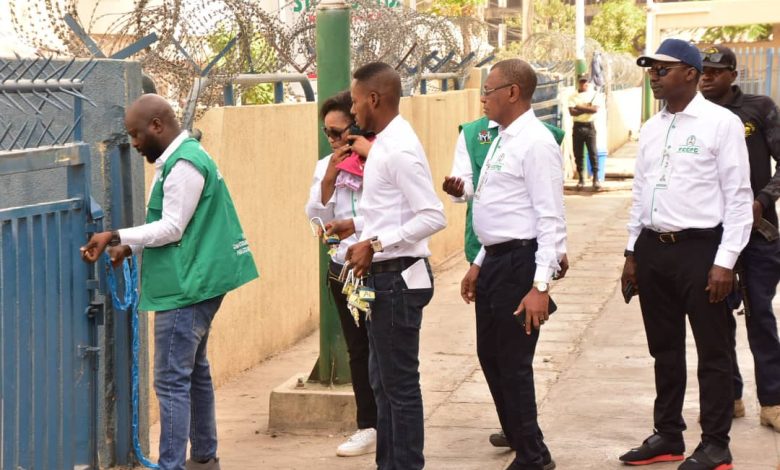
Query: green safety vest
[[212, 256], [479, 137]]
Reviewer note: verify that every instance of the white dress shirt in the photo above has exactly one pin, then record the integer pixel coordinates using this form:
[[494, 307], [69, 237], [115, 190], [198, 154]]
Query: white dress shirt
[[181, 193], [461, 168], [399, 205], [520, 193], [343, 204], [692, 171]]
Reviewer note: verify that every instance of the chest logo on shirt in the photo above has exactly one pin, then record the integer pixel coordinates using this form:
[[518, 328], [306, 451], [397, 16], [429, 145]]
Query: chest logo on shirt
[[484, 137], [690, 146], [750, 129]]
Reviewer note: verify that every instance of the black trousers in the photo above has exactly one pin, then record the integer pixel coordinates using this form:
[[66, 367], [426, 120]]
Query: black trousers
[[506, 353], [672, 278], [356, 338], [584, 134]]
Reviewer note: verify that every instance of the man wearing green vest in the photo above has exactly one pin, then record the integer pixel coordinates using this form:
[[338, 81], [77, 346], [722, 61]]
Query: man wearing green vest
[[470, 152], [194, 252]]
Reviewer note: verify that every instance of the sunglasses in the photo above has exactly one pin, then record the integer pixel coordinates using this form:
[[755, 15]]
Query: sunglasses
[[333, 133], [489, 91], [663, 70], [714, 57]]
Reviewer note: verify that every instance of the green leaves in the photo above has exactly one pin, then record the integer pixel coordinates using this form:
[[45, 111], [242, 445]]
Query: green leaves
[[619, 26]]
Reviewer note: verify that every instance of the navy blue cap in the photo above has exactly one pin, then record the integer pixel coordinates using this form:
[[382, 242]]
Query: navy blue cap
[[673, 50]]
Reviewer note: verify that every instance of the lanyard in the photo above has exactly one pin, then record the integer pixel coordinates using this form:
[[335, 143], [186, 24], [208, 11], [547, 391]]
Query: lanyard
[[486, 168]]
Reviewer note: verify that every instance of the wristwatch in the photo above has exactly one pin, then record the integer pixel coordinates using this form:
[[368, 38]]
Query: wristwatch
[[628, 253], [376, 245], [115, 240], [541, 286]]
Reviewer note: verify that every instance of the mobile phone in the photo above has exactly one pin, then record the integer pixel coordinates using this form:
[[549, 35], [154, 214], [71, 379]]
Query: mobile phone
[[551, 308], [629, 291], [355, 130]]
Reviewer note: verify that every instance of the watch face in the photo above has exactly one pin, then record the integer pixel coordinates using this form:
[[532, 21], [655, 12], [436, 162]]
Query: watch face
[[541, 287]]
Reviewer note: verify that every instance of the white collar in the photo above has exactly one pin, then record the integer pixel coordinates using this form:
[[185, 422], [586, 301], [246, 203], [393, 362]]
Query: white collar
[[171, 148]]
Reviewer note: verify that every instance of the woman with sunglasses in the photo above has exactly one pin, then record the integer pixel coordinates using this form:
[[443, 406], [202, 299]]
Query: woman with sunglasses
[[335, 195]]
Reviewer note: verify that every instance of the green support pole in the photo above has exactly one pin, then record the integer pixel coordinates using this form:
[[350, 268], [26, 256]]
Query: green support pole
[[333, 76], [580, 68]]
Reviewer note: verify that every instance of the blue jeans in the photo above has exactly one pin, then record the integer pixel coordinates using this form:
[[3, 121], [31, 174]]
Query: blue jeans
[[182, 380], [761, 261], [393, 368]]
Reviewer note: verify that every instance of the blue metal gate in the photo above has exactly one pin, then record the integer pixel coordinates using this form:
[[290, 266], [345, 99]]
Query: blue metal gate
[[759, 73], [47, 385], [48, 352]]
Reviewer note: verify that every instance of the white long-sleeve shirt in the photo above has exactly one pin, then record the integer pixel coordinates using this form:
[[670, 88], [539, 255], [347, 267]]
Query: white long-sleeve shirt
[[343, 204], [462, 168], [520, 193], [399, 204], [181, 193], [692, 171]]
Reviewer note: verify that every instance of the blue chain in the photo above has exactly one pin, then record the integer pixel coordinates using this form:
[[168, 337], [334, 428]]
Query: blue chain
[[130, 304]]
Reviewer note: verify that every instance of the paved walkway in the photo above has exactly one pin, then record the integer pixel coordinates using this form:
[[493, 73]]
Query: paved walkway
[[593, 375]]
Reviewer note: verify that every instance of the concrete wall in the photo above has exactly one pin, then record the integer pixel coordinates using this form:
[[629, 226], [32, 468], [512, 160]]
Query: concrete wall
[[624, 116], [267, 156]]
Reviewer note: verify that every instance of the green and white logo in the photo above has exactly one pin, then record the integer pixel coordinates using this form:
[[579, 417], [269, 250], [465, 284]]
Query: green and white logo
[[690, 146]]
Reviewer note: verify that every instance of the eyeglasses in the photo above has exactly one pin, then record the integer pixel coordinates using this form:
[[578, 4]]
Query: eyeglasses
[[488, 91], [335, 133], [663, 70]]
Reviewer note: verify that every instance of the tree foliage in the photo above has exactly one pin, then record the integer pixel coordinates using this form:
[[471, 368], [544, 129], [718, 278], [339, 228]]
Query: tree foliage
[[619, 26], [748, 33], [547, 16], [261, 54], [454, 7]]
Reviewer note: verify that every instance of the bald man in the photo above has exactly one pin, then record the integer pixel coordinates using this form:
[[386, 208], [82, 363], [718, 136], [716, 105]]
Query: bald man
[[400, 211], [194, 252], [518, 217]]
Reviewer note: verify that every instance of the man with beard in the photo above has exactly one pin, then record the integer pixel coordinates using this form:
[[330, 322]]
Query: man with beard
[[690, 218], [194, 252], [761, 257]]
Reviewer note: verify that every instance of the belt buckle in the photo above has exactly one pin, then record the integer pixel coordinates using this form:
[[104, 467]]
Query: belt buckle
[[667, 237]]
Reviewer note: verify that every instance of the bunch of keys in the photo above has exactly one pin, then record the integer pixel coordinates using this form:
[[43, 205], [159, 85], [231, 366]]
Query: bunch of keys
[[332, 241], [359, 296]]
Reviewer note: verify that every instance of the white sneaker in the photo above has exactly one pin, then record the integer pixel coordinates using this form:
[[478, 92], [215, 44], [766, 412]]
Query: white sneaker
[[362, 442]]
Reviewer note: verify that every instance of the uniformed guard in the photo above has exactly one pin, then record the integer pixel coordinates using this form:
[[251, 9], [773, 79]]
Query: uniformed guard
[[690, 218], [760, 260]]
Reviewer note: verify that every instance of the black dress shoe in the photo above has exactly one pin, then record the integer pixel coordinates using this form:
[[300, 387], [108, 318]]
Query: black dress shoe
[[546, 466], [499, 440]]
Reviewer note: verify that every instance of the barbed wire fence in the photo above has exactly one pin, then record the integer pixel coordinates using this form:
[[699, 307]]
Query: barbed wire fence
[[552, 52], [191, 33]]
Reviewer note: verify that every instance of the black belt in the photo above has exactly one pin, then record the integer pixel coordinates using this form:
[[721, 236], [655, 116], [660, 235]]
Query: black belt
[[505, 247], [583, 124], [395, 265], [676, 237]]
